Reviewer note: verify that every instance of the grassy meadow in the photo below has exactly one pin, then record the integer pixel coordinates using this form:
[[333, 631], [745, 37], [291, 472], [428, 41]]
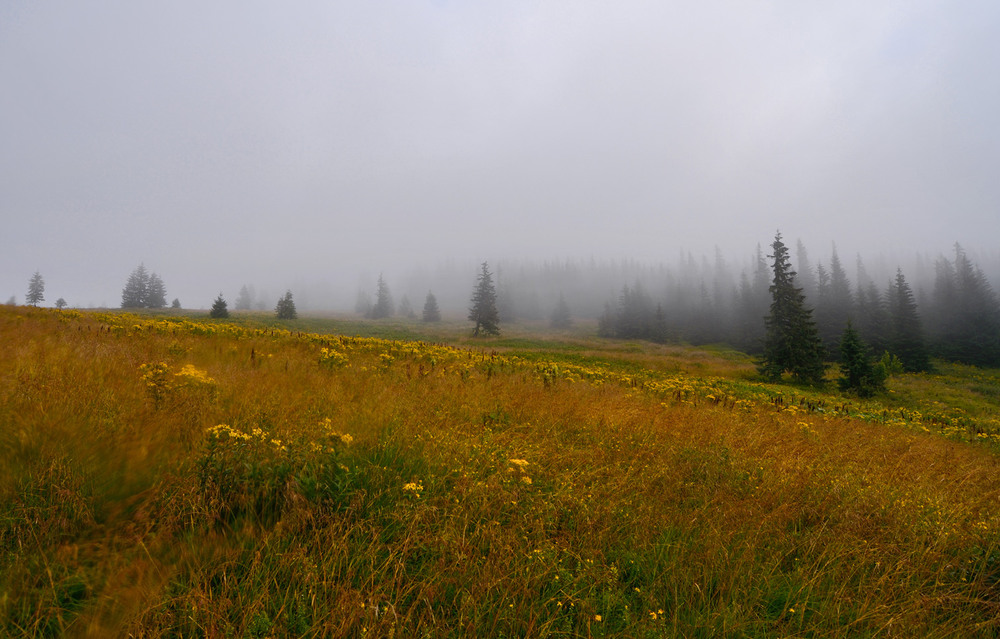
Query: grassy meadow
[[171, 476]]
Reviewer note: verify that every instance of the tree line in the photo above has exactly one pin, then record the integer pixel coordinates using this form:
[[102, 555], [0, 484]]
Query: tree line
[[953, 315], [957, 320]]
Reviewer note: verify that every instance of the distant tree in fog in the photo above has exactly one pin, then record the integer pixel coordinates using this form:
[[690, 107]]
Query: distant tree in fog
[[966, 317], [363, 303], [136, 289], [871, 317], [906, 336], [244, 301], [286, 307], [220, 309], [144, 290], [834, 304], [383, 301], [791, 342], [61, 303], [12, 301], [484, 305], [431, 311], [36, 290], [176, 303], [561, 317], [804, 273], [156, 293], [405, 308]]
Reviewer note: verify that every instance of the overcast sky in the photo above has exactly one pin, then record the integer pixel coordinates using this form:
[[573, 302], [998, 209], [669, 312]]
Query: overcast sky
[[223, 143]]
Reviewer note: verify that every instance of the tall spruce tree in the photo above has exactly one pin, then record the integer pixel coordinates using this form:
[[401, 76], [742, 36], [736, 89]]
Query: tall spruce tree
[[484, 305], [36, 290], [791, 343], [906, 335]]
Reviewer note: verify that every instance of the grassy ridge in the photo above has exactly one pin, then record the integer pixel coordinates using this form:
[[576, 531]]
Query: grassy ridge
[[175, 477]]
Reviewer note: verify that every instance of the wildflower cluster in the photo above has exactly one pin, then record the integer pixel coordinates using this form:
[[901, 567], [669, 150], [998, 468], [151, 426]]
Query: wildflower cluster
[[193, 376], [332, 358], [413, 488], [154, 376]]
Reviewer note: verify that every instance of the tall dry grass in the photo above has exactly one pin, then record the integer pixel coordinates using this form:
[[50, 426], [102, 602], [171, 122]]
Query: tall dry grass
[[175, 478]]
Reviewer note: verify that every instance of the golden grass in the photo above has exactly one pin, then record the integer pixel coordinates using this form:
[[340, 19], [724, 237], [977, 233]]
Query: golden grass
[[163, 477]]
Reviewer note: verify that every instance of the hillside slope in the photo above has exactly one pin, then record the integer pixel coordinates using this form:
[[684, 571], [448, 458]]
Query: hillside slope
[[172, 477]]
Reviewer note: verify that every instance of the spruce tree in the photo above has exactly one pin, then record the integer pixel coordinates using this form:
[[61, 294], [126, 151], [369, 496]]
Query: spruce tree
[[431, 311], [285, 308], [872, 314], [966, 313], [383, 301], [484, 305], [156, 292], [857, 374], [36, 290], [906, 337], [244, 301], [135, 293], [791, 342], [220, 309], [834, 303]]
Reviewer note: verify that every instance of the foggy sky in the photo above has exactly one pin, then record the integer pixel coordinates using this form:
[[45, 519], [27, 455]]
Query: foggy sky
[[282, 144]]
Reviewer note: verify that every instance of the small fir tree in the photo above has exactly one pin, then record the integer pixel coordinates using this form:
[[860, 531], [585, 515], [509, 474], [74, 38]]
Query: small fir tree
[[36, 290], [286, 307], [857, 373], [431, 311], [791, 343], [220, 309], [484, 305], [176, 303]]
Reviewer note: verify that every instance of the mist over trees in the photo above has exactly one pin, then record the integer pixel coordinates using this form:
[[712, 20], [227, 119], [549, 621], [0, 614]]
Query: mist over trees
[[917, 307]]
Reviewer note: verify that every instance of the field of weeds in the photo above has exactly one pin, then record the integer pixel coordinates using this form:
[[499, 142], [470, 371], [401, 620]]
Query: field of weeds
[[170, 477]]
